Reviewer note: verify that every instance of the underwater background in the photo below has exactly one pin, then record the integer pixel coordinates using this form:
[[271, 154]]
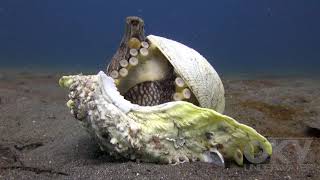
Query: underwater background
[[261, 37], [267, 53]]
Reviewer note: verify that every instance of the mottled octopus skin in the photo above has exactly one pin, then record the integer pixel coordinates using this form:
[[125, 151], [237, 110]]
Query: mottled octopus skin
[[169, 133], [151, 93]]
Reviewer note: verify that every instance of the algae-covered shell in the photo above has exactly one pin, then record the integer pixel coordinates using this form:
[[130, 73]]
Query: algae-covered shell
[[195, 70], [171, 133]]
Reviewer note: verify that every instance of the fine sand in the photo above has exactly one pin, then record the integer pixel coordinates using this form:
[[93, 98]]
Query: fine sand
[[39, 139]]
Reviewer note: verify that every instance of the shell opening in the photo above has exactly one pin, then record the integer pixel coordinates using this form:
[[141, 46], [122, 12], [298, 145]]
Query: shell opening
[[148, 78]]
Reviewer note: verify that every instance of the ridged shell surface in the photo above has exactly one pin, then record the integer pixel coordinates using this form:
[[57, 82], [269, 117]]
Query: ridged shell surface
[[195, 70]]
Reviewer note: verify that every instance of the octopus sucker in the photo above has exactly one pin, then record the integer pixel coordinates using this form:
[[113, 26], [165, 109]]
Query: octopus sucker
[[123, 63], [123, 72]]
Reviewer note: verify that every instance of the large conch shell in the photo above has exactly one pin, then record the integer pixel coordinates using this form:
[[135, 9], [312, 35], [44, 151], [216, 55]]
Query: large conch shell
[[172, 132]]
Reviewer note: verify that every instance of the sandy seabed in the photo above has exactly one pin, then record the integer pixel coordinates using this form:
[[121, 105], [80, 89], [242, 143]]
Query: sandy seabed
[[39, 139]]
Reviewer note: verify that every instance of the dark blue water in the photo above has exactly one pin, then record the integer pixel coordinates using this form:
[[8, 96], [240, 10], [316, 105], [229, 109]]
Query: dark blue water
[[236, 36]]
